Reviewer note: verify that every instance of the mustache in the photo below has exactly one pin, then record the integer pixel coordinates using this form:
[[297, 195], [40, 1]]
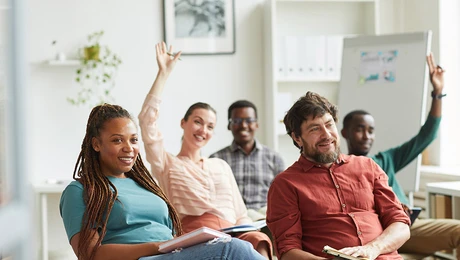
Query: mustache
[[327, 140]]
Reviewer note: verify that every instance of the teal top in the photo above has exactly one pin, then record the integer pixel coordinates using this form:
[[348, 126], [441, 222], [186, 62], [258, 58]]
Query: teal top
[[138, 215], [394, 159]]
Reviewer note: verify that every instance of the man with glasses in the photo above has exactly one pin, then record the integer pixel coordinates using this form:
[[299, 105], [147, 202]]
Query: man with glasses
[[254, 164]]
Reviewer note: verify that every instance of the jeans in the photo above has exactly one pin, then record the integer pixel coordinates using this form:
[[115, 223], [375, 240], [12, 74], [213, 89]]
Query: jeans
[[221, 249]]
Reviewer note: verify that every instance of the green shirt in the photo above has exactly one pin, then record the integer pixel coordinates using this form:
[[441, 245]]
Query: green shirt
[[138, 215], [394, 159]]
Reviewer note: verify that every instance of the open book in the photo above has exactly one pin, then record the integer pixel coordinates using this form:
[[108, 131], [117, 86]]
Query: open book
[[194, 237], [254, 226], [331, 251]]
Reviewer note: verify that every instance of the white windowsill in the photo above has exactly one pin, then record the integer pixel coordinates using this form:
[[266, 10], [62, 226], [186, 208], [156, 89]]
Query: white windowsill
[[434, 169]]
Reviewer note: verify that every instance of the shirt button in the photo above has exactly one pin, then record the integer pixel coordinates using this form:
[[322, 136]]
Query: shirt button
[[337, 186], [359, 233], [343, 205]]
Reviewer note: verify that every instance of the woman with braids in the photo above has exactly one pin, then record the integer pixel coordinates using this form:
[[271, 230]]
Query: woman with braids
[[203, 190], [115, 210]]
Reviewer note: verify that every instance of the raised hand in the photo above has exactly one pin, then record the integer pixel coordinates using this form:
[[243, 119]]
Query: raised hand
[[165, 61], [436, 74]]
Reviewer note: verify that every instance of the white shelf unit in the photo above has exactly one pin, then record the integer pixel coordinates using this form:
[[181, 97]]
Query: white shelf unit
[[451, 189], [306, 18]]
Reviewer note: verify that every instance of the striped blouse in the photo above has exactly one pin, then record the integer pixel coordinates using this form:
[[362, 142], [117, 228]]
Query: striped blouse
[[191, 189]]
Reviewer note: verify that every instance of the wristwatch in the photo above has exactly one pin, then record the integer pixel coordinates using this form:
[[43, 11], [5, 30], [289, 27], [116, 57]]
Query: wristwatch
[[439, 96]]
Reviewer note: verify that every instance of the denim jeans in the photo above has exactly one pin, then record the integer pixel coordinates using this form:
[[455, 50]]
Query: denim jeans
[[221, 249]]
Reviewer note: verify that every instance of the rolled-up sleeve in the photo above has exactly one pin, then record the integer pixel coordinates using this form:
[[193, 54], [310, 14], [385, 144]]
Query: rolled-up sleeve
[[283, 216], [388, 205]]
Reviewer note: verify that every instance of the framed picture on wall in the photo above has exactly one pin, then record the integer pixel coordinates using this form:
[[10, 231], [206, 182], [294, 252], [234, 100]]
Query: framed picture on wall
[[200, 27]]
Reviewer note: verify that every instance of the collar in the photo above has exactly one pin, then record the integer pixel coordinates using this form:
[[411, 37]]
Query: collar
[[235, 147], [307, 164]]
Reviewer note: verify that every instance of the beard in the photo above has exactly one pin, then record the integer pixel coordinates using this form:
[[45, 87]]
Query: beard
[[316, 156]]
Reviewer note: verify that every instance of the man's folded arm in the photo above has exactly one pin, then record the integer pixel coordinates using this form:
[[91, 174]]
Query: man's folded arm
[[392, 238]]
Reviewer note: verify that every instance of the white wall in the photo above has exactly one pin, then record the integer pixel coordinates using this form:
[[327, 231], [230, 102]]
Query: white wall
[[416, 16], [131, 29]]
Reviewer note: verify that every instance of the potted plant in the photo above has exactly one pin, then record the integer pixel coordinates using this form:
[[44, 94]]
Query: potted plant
[[91, 51], [96, 73]]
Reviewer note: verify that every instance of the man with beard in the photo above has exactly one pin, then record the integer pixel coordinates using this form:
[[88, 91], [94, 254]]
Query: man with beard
[[328, 198], [254, 165], [427, 235]]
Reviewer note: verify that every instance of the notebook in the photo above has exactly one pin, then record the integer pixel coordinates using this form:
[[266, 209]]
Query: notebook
[[257, 225], [331, 251], [197, 236], [415, 212]]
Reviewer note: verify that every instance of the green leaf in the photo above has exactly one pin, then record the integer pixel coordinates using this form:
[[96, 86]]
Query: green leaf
[[96, 76]]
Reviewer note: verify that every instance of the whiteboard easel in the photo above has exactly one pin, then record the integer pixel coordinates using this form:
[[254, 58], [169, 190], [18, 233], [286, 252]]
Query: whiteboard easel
[[393, 92]]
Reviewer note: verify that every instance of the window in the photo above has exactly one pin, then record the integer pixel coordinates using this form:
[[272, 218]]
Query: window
[[449, 57], [14, 208]]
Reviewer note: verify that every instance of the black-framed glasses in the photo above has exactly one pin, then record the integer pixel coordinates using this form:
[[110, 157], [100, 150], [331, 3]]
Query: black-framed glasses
[[239, 121]]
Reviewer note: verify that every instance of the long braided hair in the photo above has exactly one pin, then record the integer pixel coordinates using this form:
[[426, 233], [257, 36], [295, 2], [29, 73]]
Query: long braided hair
[[99, 193]]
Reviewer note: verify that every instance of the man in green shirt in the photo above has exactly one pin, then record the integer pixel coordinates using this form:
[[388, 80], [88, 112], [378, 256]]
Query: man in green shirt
[[427, 235]]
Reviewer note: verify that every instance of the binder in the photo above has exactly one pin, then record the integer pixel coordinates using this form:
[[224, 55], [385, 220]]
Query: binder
[[443, 206], [334, 46], [308, 56], [320, 56], [313, 57], [294, 70], [281, 58]]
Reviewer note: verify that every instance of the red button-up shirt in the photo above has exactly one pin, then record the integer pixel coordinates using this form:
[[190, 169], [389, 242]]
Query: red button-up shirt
[[349, 204]]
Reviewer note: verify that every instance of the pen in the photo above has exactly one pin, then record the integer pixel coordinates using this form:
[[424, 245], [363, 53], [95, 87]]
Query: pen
[[172, 55]]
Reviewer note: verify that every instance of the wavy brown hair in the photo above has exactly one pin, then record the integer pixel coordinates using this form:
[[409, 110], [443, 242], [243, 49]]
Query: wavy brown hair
[[99, 193], [312, 105]]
